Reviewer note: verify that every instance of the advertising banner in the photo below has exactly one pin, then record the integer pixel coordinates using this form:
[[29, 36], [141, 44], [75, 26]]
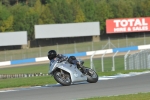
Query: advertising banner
[[127, 25], [67, 30], [13, 38]]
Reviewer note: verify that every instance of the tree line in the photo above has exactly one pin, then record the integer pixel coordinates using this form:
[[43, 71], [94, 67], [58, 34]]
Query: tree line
[[22, 15]]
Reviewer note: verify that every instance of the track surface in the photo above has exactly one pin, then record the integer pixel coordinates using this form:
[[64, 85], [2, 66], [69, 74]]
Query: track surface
[[118, 86]]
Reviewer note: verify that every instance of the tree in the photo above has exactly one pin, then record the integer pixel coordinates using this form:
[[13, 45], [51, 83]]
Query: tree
[[89, 8], [6, 25], [78, 13], [6, 20], [38, 7], [145, 8], [5, 2], [31, 3], [46, 16], [19, 13], [122, 8], [31, 20], [79, 17], [61, 11], [103, 12]]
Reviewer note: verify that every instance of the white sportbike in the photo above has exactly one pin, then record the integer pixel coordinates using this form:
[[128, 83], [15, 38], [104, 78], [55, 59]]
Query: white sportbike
[[66, 73]]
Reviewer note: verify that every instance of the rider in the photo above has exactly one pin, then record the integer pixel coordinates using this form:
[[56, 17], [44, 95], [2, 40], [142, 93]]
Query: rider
[[52, 55]]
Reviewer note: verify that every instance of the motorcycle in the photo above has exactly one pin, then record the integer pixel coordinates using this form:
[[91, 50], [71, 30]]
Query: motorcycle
[[66, 73]]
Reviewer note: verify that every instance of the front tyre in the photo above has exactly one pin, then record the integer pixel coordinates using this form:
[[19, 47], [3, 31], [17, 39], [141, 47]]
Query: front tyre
[[64, 79], [92, 76]]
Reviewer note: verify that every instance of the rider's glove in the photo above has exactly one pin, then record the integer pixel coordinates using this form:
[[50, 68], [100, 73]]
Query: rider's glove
[[59, 55], [78, 63], [66, 58], [59, 61]]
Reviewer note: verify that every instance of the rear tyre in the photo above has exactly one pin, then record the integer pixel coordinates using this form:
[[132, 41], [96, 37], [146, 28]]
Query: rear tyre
[[63, 79], [92, 76]]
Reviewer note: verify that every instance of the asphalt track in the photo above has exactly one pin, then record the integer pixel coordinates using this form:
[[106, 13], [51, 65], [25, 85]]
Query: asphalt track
[[117, 86]]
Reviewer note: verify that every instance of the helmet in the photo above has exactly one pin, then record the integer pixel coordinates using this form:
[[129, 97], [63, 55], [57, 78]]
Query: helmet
[[51, 54]]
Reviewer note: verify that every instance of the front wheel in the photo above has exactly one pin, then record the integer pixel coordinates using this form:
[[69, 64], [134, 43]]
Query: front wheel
[[62, 78], [92, 76]]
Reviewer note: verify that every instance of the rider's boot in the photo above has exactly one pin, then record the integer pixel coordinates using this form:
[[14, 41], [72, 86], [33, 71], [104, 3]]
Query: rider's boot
[[84, 70]]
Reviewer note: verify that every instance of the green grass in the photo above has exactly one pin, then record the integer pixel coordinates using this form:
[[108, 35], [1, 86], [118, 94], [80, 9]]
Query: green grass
[[25, 82], [43, 68], [139, 96]]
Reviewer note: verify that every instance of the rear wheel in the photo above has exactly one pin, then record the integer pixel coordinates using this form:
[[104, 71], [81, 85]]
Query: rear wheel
[[92, 76], [62, 78]]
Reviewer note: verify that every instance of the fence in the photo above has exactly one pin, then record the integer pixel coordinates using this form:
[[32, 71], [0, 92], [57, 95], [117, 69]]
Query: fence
[[139, 60], [118, 61], [8, 55], [5, 76], [107, 62]]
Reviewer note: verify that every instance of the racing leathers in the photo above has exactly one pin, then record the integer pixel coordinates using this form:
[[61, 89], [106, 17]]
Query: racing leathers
[[71, 60]]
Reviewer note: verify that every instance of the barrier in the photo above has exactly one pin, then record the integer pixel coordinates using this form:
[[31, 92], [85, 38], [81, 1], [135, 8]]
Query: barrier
[[142, 47], [77, 54], [6, 76], [88, 53], [5, 63], [99, 52], [132, 48], [13, 62]]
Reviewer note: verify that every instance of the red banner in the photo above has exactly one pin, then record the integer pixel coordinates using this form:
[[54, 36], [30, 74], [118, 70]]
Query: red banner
[[127, 25]]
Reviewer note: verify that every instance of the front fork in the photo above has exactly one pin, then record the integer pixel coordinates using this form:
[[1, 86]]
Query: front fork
[[62, 73]]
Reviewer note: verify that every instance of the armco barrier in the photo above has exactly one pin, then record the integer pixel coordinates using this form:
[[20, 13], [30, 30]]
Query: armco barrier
[[5, 63], [13, 62], [88, 53], [142, 47], [99, 52], [125, 49], [41, 59], [77, 54]]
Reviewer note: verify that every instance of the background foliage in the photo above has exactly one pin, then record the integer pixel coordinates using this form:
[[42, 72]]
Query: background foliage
[[22, 15]]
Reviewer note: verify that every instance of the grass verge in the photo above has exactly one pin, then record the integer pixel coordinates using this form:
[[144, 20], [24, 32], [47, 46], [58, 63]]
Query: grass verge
[[139, 96], [43, 68]]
